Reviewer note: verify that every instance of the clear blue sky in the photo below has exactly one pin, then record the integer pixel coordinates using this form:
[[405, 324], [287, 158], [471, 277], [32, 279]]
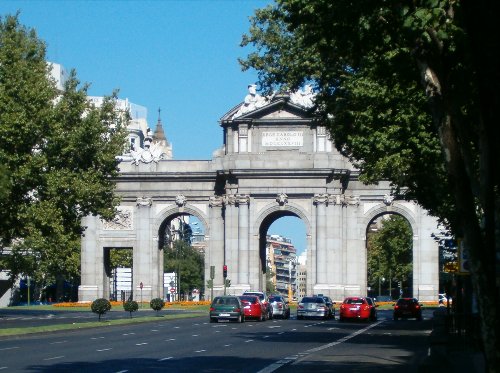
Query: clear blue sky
[[177, 55]]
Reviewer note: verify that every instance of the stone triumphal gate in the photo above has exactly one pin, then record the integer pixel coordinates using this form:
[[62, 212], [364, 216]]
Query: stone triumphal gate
[[276, 161]]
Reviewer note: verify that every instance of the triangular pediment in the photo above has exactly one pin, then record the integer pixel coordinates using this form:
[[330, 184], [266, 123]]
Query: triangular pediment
[[279, 108]]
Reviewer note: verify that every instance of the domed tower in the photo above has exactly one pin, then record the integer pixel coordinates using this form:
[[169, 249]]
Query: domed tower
[[160, 139]]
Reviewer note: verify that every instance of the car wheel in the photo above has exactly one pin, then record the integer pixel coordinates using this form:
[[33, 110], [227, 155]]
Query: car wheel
[[239, 319], [395, 318], [341, 319], [213, 320], [243, 318], [288, 314], [300, 317], [419, 318], [262, 317]]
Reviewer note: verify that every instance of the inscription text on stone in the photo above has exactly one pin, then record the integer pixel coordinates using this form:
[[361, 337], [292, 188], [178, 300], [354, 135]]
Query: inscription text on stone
[[283, 138]]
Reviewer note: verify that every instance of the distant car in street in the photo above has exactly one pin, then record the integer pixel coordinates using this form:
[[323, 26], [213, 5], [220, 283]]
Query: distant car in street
[[331, 307], [264, 299], [383, 298], [280, 306], [361, 308], [312, 307], [226, 308], [407, 308], [253, 308], [444, 299]]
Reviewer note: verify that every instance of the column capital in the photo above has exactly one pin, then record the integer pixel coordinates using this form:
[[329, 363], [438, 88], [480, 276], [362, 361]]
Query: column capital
[[320, 199], [242, 199], [216, 201], [144, 201]]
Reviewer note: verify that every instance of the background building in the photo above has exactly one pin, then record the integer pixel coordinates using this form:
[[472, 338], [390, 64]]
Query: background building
[[282, 259]]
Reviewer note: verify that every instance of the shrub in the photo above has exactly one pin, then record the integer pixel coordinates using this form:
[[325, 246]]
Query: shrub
[[130, 306], [100, 306], [157, 304]]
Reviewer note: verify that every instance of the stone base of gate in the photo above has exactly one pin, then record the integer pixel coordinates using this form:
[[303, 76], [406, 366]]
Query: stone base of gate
[[88, 293], [337, 292], [238, 289]]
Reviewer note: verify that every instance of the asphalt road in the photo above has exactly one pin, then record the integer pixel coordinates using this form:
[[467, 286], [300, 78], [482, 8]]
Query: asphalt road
[[196, 345]]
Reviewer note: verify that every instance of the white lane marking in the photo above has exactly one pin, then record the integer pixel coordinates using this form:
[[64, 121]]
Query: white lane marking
[[177, 327], [200, 351], [122, 371], [288, 360], [195, 335], [128, 333], [249, 340], [227, 345], [280, 333], [166, 358], [2, 368], [274, 326], [171, 339], [54, 343], [266, 336], [154, 330], [97, 338], [54, 358], [8, 348], [104, 349], [141, 344]]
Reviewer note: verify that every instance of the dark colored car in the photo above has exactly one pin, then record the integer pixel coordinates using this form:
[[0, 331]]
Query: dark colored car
[[361, 308], [331, 307], [407, 308], [253, 307], [312, 307], [263, 298], [280, 306], [226, 308]]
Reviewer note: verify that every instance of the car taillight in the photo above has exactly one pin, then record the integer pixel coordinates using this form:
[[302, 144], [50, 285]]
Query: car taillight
[[366, 308], [280, 305], [396, 307], [417, 306], [237, 310], [342, 306], [301, 306], [212, 309]]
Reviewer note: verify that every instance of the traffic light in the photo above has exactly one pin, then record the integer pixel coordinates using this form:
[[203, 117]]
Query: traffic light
[[224, 271]]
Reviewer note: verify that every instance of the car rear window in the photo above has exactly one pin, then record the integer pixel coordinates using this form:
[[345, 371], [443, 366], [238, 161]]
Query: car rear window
[[251, 299], [275, 299], [405, 301], [312, 300], [354, 301]]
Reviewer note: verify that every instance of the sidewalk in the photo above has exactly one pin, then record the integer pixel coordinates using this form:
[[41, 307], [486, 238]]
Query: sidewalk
[[450, 352]]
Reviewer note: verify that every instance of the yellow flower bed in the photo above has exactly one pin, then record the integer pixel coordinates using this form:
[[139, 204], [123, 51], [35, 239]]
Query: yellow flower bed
[[119, 303]]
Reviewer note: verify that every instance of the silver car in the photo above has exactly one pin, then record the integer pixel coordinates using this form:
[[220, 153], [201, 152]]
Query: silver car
[[313, 307], [280, 306]]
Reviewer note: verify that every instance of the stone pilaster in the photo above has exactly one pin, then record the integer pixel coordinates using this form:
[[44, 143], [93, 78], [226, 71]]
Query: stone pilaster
[[321, 201], [243, 201], [216, 252]]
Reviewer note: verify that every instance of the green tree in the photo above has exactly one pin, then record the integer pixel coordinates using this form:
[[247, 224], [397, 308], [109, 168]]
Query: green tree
[[390, 251], [409, 92], [184, 259], [60, 153], [100, 306], [130, 306]]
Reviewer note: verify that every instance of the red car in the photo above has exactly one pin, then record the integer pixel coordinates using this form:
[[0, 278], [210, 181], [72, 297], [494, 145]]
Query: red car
[[361, 308], [253, 307], [407, 308]]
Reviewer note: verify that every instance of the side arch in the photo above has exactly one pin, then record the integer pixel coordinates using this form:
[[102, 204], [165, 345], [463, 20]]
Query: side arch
[[396, 208], [184, 210]]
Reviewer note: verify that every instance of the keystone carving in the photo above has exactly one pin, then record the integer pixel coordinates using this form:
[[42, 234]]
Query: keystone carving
[[388, 199], [282, 199], [180, 200]]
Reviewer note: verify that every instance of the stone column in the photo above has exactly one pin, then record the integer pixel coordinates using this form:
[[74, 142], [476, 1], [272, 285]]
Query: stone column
[[91, 261], [215, 255], [243, 201], [143, 270], [321, 201], [231, 237]]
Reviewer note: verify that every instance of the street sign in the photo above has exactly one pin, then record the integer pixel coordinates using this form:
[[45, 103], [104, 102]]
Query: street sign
[[172, 290], [141, 285]]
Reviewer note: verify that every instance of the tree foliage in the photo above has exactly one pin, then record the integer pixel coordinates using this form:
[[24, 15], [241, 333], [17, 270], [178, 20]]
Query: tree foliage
[[130, 306], [60, 155], [100, 306], [390, 251], [188, 261], [409, 92]]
